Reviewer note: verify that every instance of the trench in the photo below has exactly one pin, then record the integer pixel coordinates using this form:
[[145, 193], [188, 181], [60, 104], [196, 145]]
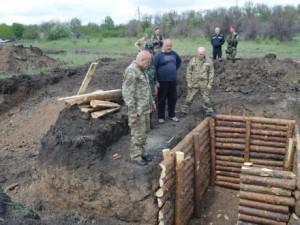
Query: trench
[[231, 170]]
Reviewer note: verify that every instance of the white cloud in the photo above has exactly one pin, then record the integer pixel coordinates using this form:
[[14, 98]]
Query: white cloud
[[38, 11]]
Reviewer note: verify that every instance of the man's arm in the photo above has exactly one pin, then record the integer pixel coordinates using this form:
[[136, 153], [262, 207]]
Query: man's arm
[[129, 91], [211, 74], [189, 72], [178, 60]]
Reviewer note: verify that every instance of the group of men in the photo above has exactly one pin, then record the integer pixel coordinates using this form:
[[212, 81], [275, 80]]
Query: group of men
[[218, 40], [150, 81]]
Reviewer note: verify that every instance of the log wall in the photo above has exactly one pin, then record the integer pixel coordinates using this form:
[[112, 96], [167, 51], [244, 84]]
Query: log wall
[[266, 196], [262, 141]]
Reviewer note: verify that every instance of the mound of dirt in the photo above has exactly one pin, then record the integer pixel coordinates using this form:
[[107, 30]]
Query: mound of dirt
[[20, 59]]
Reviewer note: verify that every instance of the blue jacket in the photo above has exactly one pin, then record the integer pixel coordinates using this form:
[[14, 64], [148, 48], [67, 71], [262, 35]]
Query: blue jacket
[[166, 65], [217, 40]]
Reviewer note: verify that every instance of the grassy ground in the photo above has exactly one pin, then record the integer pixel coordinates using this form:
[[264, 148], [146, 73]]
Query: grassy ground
[[83, 50]]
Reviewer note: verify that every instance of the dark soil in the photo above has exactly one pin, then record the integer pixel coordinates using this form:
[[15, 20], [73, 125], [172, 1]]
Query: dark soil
[[77, 150]]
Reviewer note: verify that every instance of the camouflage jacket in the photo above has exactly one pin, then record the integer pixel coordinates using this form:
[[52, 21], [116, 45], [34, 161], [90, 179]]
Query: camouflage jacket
[[199, 73], [136, 90], [151, 73], [140, 43], [232, 40], [157, 41]]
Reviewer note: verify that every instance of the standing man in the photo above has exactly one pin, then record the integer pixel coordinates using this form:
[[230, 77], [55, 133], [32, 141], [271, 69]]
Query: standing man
[[217, 41], [166, 64], [137, 96], [157, 40], [141, 42], [232, 42], [199, 78]]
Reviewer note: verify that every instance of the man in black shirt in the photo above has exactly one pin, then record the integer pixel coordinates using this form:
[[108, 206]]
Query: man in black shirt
[[217, 41]]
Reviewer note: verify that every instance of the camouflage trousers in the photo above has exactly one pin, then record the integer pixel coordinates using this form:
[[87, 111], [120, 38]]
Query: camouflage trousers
[[139, 127], [191, 94], [231, 52]]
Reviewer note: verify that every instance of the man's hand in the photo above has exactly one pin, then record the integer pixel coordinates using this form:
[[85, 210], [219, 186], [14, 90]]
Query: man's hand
[[153, 107], [156, 88], [209, 87]]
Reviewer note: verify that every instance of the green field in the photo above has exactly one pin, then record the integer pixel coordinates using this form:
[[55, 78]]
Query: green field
[[83, 50]]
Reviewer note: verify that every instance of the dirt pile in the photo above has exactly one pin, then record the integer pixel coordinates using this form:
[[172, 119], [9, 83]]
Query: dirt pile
[[20, 59]]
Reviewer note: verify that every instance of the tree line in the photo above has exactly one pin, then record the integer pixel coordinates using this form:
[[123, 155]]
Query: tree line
[[252, 21]]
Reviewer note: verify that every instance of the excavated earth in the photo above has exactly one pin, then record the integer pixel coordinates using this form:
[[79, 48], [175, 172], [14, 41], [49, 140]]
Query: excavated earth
[[58, 160]]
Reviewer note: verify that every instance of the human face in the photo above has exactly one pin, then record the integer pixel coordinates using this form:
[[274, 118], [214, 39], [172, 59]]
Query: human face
[[201, 55], [167, 46]]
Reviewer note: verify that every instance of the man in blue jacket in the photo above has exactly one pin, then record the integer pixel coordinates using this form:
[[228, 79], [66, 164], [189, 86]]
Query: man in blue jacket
[[217, 41], [166, 64]]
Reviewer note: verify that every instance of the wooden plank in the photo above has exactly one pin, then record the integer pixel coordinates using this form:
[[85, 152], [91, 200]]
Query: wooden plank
[[234, 180], [267, 149], [230, 158], [227, 168], [87, 78], [213, 149], [265, 190], [268, 143], [230, 146], [261, 126], [266, 162], [100, 104], [231, 140], [111, 95], [282, 217], [230, 152], [261, 155], [231, 129], [102, 113], [220, 134], [269, 138], [230, 117], [263, 172], [224, 123], [269, 133]]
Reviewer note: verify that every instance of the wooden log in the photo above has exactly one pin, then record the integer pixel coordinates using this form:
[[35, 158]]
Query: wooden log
[[164, 210], [111, 95], [100, 104], [231, 129], [223, 123], [269, 138], [197, 174], [230, 164], [228, 185], [272, 121], [168, 186], [267, 149], [289, 184], [247, 139], [261, 155], [230, 117], [230, 152], [167, 166], [268, 143], [262, 126], [98, 114], [290, 130], [264, 214], [259, 220], [269, 133], [213, 149], [230, 140], [289, 156], [263, 172], [228, 179], [227, 168], [86, 109], [168, 218], [162, 200], [179, 187], [164, 180], [87, 78], [227, 174], [266, 206], [266, 162], [229, 135], [245, 223], [265, 190], [230, 146], [230, 158], [270, 199], [202, 125]]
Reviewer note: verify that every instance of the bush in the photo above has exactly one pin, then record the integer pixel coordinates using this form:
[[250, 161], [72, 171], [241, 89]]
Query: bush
[[30, 32], [58, 31]]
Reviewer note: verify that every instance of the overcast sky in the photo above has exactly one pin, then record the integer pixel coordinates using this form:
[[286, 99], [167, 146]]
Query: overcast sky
[[38, 11]]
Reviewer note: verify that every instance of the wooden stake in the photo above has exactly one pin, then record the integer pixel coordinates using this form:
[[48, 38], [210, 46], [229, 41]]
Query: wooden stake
[[213, 150], [289, 156], [179, 187], [99, 114], [247, 145], [87, 78], [197, 175]]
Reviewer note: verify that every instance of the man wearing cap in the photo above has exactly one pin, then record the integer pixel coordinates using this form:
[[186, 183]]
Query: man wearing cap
[[157, 40], [199, 78], [232, 42]]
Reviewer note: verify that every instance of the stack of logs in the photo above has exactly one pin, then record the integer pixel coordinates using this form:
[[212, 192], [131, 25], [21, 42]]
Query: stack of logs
[[98, 103], [265, 196], [185, 176], [250, 139]]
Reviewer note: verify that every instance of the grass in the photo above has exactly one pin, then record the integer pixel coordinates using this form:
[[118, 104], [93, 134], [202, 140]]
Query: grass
[[84, 50]]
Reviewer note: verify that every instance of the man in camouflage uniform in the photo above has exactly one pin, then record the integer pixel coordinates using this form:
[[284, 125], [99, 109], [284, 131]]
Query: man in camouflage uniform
[[157, 40], [137, 96], [199, 78], [232, 42], [141, 42]]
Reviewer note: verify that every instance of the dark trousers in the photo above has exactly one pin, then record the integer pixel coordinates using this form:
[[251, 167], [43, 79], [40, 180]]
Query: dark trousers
[[167, 92], [217, 52]]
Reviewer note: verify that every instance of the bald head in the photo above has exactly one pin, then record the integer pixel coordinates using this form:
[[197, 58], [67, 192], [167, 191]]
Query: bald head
[[167, 45], [217, 30], [143, 58], [201, 53]]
